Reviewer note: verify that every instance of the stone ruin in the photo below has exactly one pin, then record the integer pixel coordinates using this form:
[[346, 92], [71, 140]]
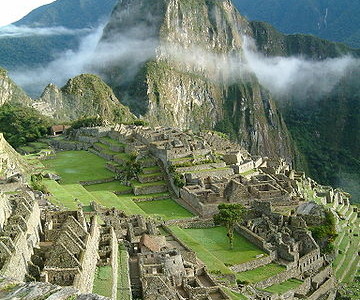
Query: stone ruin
[[60, 247], [294, 247]]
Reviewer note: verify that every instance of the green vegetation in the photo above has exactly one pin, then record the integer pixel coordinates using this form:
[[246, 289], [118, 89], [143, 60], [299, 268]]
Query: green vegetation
[[87, 122], [21, 124], [233, 295], [260, 273], [103, 281], [229, 215], [168, 209], [113, 186], [325, 234], [36, 181], [130, 170], [123, 287], [211, 246], [60, 196], [214, 264], [123, 202], [75, 166], [283, 287]]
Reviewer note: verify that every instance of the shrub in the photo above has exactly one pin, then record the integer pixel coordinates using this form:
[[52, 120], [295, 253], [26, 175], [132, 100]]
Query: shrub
[[22, 125]]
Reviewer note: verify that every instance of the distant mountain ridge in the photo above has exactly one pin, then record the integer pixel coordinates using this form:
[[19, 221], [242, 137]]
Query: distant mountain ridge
[[330, 19], [34, 50]]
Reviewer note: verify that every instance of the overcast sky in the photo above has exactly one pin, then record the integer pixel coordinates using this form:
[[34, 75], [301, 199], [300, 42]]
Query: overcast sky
[[13, 10]]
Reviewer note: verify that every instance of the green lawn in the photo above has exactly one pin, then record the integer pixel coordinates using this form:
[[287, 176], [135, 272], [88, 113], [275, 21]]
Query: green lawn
[[123, 288], [75, 166], [168, 209], [60, 196], [80, 193], [111, 141], [216, 241], [103, 281], [113, 186], [124, 203], [138, 184], [260, 273], [233, 295], [283, 287], [203, 252]]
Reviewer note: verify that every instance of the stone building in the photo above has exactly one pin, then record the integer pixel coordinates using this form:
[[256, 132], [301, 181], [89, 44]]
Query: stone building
[[20, 233], [68, 253]]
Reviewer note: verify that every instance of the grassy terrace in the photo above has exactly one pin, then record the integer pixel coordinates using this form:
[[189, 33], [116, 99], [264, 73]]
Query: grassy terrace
[[212, 248], [123, 286], [260, 273], [233, 295], [216, 241], [283, 287], [103, 281], [60, 196], [113, 186], [213, 264], [138, 184], [122, 203], [105, 149], [168, 209], [109, 140], [75, 166]]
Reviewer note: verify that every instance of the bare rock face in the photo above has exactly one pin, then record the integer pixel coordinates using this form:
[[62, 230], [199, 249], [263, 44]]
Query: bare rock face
[[189, 72], [10, 92], [11, 289], [11, 162]]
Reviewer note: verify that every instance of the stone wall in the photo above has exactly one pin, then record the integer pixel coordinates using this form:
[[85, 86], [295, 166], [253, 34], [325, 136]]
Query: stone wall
[[114, 263], [66, 145], [252, 237], [97, 181], [253, 264], [326, 287], [5, 209], [190, 199], [278, 278], [211, 173], [27, 237], [84, 281], [11, 162], [201, 167], [151, 189]]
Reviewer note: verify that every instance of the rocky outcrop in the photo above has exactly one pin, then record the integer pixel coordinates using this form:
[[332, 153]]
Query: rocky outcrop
[[11, 289], [10, 92], [83, 96], [11, 162], [189, 80]]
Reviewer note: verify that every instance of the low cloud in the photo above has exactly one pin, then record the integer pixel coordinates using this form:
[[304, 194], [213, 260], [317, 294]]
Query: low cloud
[[126, 50], [24, 31], [297, 76]]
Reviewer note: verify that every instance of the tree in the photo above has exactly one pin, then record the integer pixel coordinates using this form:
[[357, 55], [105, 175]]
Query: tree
[[131, 169], [21, 124], [229, 215]]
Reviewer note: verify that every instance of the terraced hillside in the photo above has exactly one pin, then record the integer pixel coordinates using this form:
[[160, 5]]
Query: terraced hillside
[[347, 262], [94, 176]]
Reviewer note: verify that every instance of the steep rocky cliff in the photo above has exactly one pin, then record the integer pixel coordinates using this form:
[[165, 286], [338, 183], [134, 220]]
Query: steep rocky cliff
[[10, 92], [82, 96], [185, 76]]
